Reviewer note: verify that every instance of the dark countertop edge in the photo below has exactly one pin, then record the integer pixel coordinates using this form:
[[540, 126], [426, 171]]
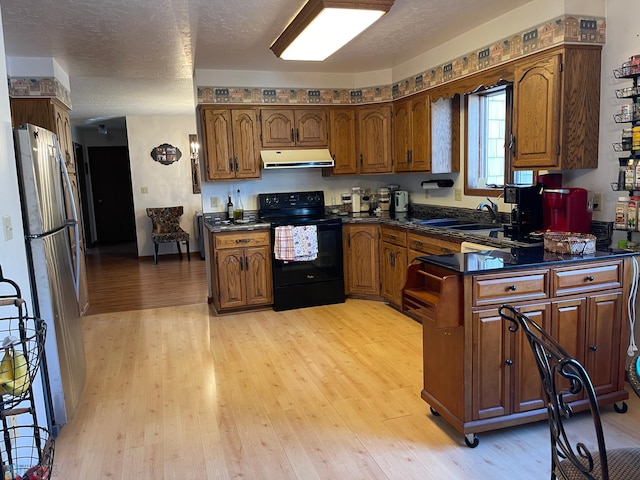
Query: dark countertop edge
[[446, 234], [560, 259]]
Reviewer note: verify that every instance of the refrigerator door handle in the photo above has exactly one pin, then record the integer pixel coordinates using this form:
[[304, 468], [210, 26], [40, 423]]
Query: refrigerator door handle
[[73, 222]]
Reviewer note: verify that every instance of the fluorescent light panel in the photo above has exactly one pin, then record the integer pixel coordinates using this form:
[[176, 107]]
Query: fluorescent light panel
[[324, 26]]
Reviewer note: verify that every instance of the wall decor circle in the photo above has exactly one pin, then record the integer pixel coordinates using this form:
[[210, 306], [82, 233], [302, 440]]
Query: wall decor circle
[[166, 154]]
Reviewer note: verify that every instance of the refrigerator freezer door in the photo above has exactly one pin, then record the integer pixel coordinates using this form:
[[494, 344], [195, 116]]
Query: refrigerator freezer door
[[40, 172], [64, 362]]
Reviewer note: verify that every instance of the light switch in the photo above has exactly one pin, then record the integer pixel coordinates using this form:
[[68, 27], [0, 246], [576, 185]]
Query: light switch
[[7, 228]]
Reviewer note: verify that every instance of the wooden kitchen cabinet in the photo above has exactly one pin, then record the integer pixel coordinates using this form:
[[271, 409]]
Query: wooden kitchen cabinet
[[393, 263], [420, 244], [494, 381], [342, 141], [374, 139], [556, 109], [361, 247], [241, 266], [51, 114], [230, 143], [299, 127], [412, 134]]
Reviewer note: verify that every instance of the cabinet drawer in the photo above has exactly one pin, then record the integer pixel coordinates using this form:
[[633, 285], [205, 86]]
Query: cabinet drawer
[[509, 288], [241, 239], [394, 236], [428, 245], [603, 276]]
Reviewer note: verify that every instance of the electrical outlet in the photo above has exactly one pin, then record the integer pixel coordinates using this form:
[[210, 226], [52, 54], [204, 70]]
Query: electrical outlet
[[144, 190], [214, 201], [426, 194], [597, 202], [7, 228], [458, 195]]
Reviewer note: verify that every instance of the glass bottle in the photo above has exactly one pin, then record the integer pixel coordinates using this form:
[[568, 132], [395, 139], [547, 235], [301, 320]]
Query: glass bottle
[[230, 209], [238, 212]]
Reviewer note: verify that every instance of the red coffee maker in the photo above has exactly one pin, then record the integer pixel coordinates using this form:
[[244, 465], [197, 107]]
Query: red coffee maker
[[566, 210]]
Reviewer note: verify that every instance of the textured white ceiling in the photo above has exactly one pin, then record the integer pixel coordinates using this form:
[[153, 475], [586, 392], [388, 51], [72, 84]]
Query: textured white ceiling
[[136, 57]]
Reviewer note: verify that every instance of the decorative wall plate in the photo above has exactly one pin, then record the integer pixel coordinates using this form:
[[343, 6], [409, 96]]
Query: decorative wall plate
[[166, 154]]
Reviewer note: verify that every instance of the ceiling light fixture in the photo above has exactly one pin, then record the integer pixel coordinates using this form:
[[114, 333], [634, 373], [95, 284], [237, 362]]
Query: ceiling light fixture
[[322, 27]]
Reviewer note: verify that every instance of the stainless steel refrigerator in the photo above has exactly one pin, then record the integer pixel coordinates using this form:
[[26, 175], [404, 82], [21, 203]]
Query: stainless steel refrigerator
[[42, 177]]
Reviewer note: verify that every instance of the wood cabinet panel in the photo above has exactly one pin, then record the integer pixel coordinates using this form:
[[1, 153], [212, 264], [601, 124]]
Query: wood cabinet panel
[[508, 288], [300, 127], [342, 125], [230, 143], [423, 244], [374, 139], [568, 281], [361, 257], [241, 270]]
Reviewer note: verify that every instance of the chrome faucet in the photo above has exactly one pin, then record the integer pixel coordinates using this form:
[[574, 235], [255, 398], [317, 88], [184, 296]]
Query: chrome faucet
[[492, 208]]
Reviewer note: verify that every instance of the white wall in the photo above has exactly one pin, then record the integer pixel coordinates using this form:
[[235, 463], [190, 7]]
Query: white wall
[[168, 185], [13, 257]]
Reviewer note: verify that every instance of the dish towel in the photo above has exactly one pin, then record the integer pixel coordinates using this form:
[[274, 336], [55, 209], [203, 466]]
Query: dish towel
[[305, 243], [283, 243]]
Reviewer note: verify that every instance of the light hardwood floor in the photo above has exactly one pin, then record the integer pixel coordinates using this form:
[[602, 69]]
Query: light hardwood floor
[[329, 392]]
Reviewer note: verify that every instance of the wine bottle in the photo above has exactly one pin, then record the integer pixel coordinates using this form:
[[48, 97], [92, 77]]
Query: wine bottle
[[230, 209]]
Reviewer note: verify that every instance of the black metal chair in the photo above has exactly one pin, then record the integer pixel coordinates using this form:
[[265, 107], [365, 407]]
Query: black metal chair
[[571, 459]]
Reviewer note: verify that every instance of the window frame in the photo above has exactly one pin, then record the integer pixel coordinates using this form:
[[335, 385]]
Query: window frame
[[488, 192]]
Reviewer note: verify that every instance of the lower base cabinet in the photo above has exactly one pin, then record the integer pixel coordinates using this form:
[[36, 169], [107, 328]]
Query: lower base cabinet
[[361, 250], [480, 376], [241, 270]]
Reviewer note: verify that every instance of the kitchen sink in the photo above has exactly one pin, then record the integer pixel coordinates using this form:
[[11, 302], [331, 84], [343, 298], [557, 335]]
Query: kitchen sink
[[476, 226], [442, 222]]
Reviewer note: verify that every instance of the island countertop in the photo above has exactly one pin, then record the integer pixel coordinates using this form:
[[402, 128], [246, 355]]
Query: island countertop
[[485, 261]]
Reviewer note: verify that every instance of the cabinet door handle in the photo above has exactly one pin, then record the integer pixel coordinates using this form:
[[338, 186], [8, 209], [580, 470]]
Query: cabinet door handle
[[589, 278], [410, 157], [509, 362], [241, 264], [231, 164], [236, 163], [361, 160], [512, 145], [297, 135], [246, 263], [511, 288], [243, 240], [445, 249], [593, 348], [391, 236], [419, 243]]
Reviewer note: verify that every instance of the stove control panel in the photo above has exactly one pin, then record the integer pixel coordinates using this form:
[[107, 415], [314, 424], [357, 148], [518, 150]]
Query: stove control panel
[[280, 201]]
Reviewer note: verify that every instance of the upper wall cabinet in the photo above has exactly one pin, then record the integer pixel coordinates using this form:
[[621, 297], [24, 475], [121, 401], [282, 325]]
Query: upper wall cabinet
[[374, 138], [412, 135], [556, 110], [300, 127], [445, 136], [342, 141], [230, 143]]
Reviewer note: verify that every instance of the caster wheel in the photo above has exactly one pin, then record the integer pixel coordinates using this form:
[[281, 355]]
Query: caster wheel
[[471, 440], [622, 409], [434, 412]]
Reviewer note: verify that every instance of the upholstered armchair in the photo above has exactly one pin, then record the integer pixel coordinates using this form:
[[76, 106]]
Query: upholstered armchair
[[166, 229]]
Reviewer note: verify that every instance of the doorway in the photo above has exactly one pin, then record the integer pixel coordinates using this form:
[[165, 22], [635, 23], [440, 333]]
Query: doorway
[[112, 195]]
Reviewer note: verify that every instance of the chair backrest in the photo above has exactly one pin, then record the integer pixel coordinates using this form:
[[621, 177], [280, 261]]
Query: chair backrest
[[165, 219], [561, 374]]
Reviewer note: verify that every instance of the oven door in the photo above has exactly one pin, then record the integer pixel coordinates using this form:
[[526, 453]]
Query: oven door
[[316, 282]]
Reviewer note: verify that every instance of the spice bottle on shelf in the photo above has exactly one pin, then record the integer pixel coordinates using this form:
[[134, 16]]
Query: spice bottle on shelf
[[621, 213], [629, 175], [632, 212]]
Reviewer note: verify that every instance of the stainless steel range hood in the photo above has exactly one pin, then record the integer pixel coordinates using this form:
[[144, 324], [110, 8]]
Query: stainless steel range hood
[[272, 159]]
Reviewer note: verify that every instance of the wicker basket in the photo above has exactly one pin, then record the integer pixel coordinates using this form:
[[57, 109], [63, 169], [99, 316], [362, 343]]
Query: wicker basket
[[570, 243]]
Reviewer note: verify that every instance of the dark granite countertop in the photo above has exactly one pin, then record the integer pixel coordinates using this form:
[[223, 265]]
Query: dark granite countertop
[[510, 259]]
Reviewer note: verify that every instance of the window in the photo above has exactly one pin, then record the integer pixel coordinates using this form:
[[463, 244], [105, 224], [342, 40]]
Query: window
[[488, 128], [488, 121]]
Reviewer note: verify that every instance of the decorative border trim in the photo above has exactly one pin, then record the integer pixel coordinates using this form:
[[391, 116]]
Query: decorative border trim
[[564, 29], [46, 87]]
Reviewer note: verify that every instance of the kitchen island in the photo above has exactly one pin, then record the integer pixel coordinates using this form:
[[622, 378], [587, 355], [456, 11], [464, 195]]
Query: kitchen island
[[478, 375]]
